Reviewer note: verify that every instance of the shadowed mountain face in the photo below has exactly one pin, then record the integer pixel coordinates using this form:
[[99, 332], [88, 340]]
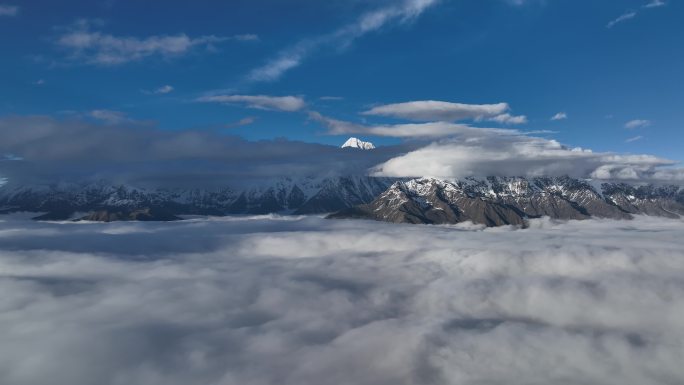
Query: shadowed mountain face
[[510, 201], [492, 202], [105, 202]]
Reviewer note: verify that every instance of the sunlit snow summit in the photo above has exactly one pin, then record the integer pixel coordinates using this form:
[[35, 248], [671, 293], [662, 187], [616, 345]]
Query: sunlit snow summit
[[357, 143]]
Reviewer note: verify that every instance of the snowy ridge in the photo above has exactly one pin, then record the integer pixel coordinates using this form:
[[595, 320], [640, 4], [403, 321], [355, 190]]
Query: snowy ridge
[[495, 201]]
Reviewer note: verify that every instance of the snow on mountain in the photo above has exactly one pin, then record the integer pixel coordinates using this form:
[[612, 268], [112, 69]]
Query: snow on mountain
[[306, 195], [492, 201], [497, 201], [357, 143]]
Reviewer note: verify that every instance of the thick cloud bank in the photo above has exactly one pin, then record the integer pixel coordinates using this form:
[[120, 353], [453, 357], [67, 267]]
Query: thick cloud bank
[[39, 149], [495, 154], [310, 301]]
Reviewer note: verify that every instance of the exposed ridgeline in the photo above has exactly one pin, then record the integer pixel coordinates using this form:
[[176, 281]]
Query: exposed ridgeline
[[497, 201], [106, 202], [492, 201]]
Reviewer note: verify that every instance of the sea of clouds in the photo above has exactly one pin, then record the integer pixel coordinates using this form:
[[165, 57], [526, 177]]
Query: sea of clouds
[[303, 300]]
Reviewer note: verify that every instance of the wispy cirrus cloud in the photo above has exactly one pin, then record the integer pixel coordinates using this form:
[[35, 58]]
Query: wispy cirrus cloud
[[634, 139], [331, 98], [398, 13], [622, 18], [9, 10], [432, 110], [507, 118], [109, 116], [655, 4], [632, 13], [85, 45], [166, 89], [242, 122], [263, 102], [637, 123], [408, 130]]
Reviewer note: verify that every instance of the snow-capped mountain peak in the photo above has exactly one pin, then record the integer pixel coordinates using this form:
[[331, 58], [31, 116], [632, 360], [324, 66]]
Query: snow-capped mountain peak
[[357, 143]]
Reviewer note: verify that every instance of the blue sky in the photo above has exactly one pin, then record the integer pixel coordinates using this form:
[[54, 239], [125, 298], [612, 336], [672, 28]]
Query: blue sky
[[601, 63]]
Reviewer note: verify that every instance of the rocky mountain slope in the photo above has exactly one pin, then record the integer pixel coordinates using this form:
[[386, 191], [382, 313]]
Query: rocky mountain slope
[[498, 201], [104, 201]]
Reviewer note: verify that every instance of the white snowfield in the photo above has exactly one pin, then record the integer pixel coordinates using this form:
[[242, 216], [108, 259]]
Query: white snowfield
[[303, 300], [357, 143]]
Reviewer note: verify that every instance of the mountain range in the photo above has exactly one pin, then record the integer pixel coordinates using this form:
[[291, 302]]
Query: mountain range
[[497, 201], [492, 201], [102, 200]]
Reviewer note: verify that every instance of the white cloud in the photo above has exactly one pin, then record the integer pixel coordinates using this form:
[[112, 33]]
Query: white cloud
[[167, 89], [398, 12], [140, 153], [509, 119], [622, 18], [264, 102], [256, 303], [496, 153], [462, 151], [246, 37], [8, 10], [94, 47], [242, 122], [632, 14], [109, 116], [411, 130], [637, 123], [655, 4], [432, 110], [560, 116], [160, 91], [634, 139]]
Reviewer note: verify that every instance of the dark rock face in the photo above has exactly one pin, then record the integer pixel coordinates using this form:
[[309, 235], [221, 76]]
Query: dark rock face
[[146, 214], [510, 201], [342, 193], [662, 201], [284, 195]]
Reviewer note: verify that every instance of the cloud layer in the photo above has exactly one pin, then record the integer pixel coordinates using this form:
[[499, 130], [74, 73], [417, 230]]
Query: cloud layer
[[432, 110], [411, 130], [87, 46], [629, 15], [264, 102], [8, 10], [461, 150], [637, 123], [622, 18], [560, 116], [483, 153], [138, 152], [307, 301], [398, 12]]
